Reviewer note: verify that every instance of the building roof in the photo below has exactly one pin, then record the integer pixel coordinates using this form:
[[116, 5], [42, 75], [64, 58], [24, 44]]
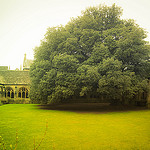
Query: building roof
[[3, 68], [14, 77]]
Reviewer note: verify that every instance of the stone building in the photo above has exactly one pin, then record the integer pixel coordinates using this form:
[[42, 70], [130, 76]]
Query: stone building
[[27, 63], [15, 84]]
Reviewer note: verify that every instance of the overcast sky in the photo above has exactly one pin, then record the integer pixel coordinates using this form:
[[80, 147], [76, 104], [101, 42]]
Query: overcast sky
[[23, 23]]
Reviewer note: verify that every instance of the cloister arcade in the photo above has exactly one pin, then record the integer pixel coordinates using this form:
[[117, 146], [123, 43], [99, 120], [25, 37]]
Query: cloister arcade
[[23, 93], [14, 92], [15, 84], [9, 92]]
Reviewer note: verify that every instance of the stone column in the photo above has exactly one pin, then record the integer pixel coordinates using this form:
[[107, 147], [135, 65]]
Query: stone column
[[1, 92], [21, 92], [15, 92]]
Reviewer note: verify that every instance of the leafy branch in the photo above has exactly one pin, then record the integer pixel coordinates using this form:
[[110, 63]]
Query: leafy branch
[[2, 142], [35, 148]]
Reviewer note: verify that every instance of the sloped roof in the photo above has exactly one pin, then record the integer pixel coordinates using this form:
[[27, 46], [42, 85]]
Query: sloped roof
[[14, 77], [3, 68]]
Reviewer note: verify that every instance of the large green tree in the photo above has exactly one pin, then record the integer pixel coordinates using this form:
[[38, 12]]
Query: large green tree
[[97, 54]]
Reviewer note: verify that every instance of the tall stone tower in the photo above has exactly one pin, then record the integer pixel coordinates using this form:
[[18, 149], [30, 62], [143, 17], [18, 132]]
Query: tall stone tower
[[26, 63], [25, 60]]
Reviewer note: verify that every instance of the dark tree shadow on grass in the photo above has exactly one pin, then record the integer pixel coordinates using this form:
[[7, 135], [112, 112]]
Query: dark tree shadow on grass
[[91, 107]]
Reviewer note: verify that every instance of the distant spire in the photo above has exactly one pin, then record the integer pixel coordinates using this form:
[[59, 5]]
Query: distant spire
[[24, 61], [20, 67], [25, 55]]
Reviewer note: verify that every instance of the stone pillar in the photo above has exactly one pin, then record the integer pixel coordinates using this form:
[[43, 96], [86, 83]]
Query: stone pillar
[[25, 92], [21, 92], [1, 92], [15, 92]]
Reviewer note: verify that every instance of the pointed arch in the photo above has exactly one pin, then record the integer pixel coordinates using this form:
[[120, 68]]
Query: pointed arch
[[23, 92], [9, 92]]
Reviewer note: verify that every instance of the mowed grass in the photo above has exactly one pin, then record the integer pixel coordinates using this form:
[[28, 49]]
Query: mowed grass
[[68, 130]]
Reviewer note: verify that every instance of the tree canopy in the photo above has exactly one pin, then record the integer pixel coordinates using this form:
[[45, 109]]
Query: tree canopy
[[97, 54]]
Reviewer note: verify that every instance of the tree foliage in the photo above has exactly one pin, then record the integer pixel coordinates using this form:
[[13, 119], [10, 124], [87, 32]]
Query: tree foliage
[[97, 54]]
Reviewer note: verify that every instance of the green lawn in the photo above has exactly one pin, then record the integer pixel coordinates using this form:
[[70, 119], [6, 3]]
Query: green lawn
[[74, 131]]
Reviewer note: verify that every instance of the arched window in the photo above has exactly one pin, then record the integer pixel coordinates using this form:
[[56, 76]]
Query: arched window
[[23, 93], [9, 92]]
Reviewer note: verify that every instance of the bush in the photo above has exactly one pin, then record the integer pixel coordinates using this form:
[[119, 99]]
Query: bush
[[1, 103]]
